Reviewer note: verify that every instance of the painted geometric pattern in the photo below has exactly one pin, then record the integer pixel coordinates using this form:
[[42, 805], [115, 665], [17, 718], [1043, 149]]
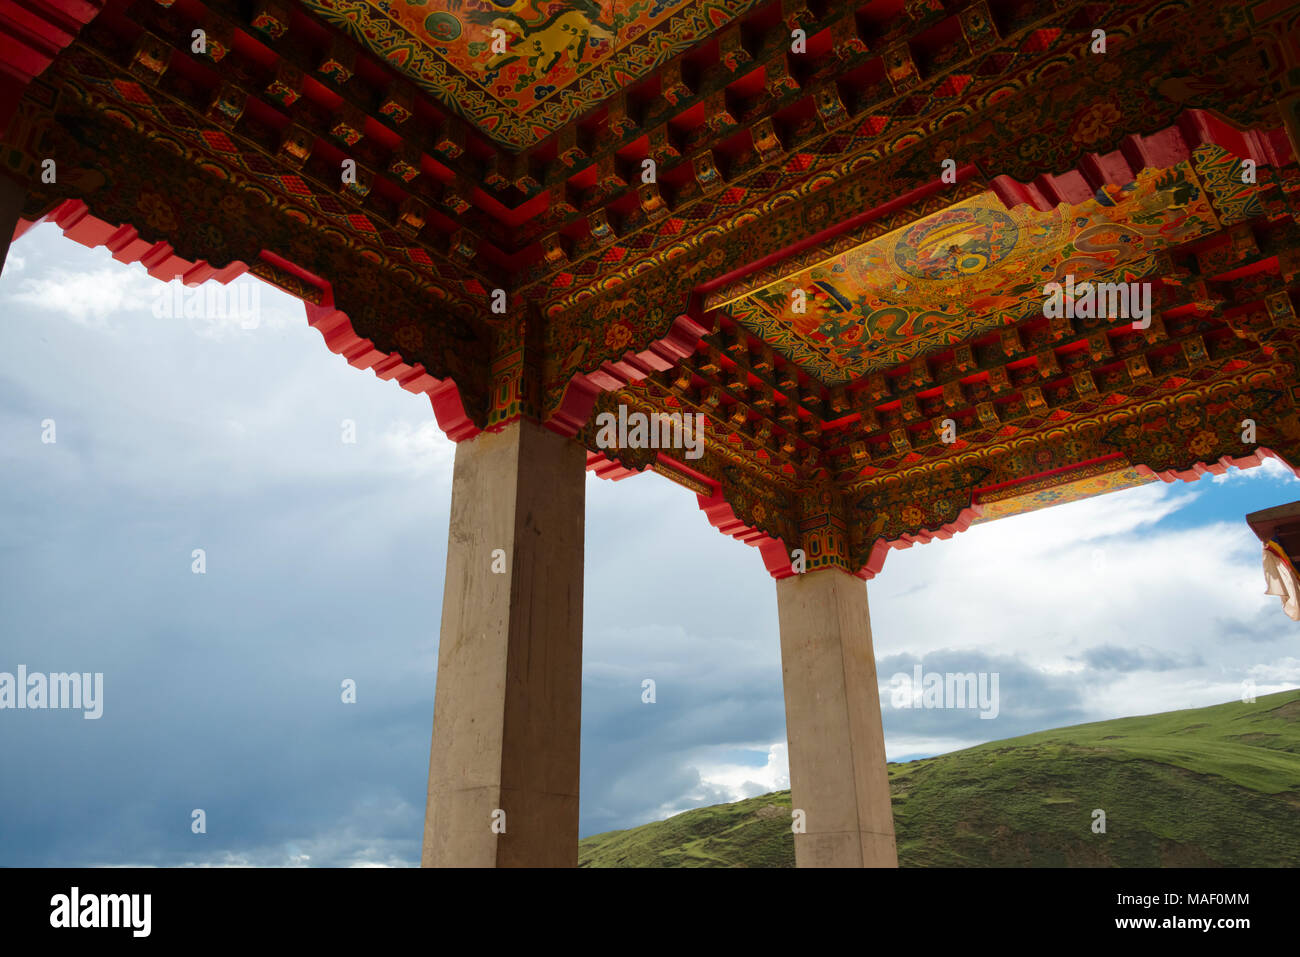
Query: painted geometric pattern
[[1221, 174], [1101, 479], [561, 57], [142, 109], [968, 269], [763, 276], [1045, 132]]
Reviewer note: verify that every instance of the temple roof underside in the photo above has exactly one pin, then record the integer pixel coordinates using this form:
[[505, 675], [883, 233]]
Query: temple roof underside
[[830, 230]]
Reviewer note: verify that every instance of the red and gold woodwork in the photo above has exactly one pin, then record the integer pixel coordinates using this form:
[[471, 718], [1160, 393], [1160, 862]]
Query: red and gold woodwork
[[500, 248]]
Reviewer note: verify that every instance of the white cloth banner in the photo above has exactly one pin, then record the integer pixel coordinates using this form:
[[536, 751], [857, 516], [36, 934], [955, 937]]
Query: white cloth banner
[[1280, 579]]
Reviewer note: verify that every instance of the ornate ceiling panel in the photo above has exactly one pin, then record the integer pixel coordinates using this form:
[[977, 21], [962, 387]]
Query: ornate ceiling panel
[[552, 62], [1074, 485], [964, 271]]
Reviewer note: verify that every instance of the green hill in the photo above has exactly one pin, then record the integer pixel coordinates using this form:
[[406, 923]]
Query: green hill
[[1216, 786]]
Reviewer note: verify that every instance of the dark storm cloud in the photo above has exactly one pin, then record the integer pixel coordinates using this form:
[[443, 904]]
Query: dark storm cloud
[[1264, 627], [1116, 658], [1028, 699]]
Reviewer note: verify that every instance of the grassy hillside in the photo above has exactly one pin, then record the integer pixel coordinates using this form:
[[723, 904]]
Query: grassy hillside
[[1206, 787]]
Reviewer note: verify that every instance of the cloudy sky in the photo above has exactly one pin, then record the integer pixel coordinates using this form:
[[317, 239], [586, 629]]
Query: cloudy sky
[[325, 559]]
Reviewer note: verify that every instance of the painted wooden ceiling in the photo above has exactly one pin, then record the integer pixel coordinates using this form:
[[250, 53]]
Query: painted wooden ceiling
[[922, 389], [519, 69], [967, 270]]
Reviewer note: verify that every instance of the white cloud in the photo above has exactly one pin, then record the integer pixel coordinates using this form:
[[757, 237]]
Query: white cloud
[[419, 447], [1276, 675], [92, 296], [1046, 587], [87, 297], [214, 310], [745, 780]]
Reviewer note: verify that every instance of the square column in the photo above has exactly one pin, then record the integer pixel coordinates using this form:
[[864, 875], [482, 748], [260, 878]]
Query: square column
[[832, 723], [503, 767]]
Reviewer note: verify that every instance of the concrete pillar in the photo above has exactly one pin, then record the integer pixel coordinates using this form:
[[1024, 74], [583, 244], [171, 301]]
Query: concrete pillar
[[832, 723], [507, 712]]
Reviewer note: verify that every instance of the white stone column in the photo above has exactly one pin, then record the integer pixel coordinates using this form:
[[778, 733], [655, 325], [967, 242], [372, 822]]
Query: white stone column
[[832, 721], [507, 712]]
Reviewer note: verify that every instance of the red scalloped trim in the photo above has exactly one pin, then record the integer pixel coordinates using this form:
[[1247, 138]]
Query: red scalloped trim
[[776, 557], [1164, 149], [876, 560], [660, 356], [1160, 150], [718, 511], [161, 262], [607, 468], [1216, 468]]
